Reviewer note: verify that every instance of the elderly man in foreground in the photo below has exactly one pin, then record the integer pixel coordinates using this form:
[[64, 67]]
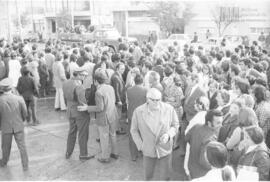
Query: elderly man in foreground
[[154, 124]]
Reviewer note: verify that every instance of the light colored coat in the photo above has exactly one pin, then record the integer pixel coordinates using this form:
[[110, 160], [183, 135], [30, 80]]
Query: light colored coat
[[142, 132], [12, 113], [106, 112], [59, 75]]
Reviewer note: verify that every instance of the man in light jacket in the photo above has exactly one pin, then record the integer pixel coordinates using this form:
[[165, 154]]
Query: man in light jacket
[[153, 126], [106, 116]]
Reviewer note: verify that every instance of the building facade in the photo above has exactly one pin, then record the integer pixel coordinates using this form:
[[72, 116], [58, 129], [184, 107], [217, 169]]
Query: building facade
[[253, 18]]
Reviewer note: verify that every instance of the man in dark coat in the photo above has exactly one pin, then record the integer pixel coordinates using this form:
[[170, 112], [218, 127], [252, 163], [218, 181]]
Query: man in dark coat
[[74, 94], [136, 96], [120, 92], [198, 137]]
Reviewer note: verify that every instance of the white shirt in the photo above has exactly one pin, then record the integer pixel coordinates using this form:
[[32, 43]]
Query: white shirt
[[89, 67], [199, 118], [14, 71], [72, 67]]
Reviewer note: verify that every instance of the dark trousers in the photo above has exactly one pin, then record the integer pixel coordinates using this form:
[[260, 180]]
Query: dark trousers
[[150, 163], [6, 147], [43, 86], [182, 142], [82, 126], [31, 109], [132, 146], [50, 82]]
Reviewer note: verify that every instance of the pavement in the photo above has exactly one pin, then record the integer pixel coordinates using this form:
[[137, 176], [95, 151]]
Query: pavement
[[46, 145]]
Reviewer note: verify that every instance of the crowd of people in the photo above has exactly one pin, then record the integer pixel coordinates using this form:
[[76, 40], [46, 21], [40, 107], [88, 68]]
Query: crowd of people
[[210, 105]]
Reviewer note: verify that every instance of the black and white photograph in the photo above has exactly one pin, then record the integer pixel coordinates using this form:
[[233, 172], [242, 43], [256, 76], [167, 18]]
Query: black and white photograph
[[135, 90]]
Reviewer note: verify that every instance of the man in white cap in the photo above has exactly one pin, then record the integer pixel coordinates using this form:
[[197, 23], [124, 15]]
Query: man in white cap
[[154, 124], [74, 94], [12, 114]]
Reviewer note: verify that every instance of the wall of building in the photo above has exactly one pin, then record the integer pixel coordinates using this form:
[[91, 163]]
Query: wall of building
[[254, 18]]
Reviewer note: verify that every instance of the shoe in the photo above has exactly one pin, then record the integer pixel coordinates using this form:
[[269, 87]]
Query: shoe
[[182, 153], [86, 157], [37, 122], [176, 147], [98, 140], [57, 109], [120, 133], [2, 164], [103, 160], [134, 159], [114, 156], [34, 124], [68, 155], [25, 168]]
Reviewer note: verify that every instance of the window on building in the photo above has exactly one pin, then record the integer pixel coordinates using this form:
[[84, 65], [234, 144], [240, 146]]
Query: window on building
[[138, 14]]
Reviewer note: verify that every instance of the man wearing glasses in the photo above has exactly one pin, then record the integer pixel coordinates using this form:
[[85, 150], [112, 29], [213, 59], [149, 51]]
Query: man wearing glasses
[[153, 126]]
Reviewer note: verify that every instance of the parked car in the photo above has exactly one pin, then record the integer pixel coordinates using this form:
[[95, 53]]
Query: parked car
[[181, 39], [31, 36], [108, 35]]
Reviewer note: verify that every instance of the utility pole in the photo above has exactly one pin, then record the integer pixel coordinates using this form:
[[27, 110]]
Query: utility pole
[[8, 18], [32, 16], [19, 19], [72, 13]]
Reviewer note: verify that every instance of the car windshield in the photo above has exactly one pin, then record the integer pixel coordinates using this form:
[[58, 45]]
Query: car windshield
[[177, 37], [112, 34]]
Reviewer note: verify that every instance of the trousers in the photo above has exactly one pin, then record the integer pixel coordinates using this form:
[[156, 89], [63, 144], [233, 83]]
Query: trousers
[[31, 109], [108, 141], [132, 146], [59, 99], [80, 126], [150, 163], [6, 147]]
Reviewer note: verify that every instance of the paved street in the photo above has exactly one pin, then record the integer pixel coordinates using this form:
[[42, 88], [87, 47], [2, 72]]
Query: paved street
[[46, 146]]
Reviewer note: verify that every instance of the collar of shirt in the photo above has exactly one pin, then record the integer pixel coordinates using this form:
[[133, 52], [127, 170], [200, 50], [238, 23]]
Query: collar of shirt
[[251, 148], [152, 111], [193, 89]]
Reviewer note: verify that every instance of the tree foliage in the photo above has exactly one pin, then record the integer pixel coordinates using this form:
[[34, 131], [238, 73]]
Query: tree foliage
[[64, 19], [172, 15], [25, 20], [224, 17]]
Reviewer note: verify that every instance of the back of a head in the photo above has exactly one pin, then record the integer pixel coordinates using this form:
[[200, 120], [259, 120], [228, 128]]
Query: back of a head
[[211, 114], [247, 117], [255, 133], [138, 79], [217, 154], [100, 76]]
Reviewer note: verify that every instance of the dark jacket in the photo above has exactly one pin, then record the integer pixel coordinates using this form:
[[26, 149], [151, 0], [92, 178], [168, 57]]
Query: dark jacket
[[74, 94], [136, 96], [189, 102], [198, 137], [228, 126], [119, 88], [259, 158], [27, 87], [160, 70]]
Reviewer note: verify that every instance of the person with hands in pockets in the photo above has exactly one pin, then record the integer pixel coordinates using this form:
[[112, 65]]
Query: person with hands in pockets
[[153, 126]]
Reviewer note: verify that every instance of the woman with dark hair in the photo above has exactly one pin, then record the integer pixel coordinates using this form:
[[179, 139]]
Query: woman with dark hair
[[230, 121], [241, 86], [256, 157], [262, 108], [217, 156]]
